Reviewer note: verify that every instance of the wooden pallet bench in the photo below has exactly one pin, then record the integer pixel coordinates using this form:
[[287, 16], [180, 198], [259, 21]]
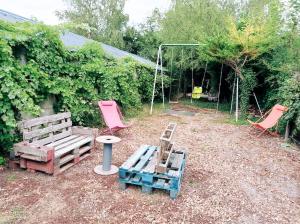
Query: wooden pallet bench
[[51, 144], [139, 170]]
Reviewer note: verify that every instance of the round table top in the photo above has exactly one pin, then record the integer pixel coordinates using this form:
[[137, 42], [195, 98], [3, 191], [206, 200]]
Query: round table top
[[108, 139]]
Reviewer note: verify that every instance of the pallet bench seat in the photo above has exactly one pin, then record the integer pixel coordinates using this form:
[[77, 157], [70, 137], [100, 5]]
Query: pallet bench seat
[[51, 144], [140, 170]]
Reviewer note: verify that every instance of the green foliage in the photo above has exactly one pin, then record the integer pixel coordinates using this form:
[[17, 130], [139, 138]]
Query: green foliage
[[247, 86], [101, 20], [258, 40], [290, 97], [224, 107], [76, 79], [2, 161], [145, 39]]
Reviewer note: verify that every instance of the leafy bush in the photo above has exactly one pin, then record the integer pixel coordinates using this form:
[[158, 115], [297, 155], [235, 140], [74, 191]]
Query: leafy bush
[[76, 79], [247, 86], [290, 97], [2, 161]]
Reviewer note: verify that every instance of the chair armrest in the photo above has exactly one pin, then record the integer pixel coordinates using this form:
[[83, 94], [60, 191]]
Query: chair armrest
[[33, 151]]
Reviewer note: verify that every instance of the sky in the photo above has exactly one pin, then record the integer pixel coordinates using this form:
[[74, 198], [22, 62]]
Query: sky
[[44, 10]]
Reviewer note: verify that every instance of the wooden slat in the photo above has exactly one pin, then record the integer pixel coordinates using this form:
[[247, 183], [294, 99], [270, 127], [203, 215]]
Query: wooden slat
[[33, 157], [150, 168], [135, 157], [144, 159], [44, 119], [177, 162], [136, 178], [43, 131], [84, 149], [29, 149], [66, 159], [73, 146], [160, 182], [69, 142], [53, 144], [173, 173], [66, 167], [53, 138]]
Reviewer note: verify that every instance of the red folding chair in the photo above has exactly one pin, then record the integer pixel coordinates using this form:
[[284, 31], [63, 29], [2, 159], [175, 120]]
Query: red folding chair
[[272, 118]]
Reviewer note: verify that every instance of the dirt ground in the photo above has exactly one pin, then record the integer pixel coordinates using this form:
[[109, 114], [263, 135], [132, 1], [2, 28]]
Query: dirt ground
[[230, 177]]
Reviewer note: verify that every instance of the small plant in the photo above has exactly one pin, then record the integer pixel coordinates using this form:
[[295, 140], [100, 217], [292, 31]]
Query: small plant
[[2, 161]]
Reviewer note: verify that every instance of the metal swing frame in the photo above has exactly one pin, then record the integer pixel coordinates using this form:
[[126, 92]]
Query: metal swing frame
[[159, 66]]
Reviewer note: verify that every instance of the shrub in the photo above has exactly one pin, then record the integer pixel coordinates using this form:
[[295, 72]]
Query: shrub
[[76, 78]]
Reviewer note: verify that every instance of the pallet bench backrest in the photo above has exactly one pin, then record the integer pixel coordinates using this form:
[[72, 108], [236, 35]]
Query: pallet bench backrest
[[46, 129]]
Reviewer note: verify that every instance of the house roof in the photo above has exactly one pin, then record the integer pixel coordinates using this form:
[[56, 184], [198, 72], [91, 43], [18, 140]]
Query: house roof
[[71, 39]]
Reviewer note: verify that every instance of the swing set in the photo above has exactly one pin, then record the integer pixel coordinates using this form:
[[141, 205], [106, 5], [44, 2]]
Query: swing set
[[196, 90]]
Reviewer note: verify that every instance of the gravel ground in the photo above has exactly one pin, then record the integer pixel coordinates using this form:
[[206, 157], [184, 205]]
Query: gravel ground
[[230, 177]]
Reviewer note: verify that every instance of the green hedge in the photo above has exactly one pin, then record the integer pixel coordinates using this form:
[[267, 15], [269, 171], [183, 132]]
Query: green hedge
[[77, 79]]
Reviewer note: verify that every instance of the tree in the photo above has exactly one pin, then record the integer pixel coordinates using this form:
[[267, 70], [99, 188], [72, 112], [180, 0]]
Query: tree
[[102, 20], [132, 40], [144, 40], [229, 33]]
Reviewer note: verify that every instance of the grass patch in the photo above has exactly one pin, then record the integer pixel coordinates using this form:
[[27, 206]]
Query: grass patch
[[231, 120], [11, 177], [241, 121], [15, 214], [158, 108], [224, 107]]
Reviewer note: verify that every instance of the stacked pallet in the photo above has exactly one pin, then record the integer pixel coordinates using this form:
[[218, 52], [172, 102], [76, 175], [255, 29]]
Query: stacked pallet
[[51, 144], [140, 170]]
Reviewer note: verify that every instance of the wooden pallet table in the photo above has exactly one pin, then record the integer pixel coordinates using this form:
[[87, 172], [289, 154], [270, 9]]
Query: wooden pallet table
[[139, 170]]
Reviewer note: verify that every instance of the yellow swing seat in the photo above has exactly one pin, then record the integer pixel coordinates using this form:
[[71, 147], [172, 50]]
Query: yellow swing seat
[[197, 91]]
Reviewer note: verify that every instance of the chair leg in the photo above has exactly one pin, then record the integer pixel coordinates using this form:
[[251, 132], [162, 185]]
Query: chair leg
[[262, 133]]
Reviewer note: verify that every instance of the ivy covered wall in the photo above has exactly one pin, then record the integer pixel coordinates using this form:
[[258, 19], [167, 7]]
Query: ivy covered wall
[[75, 79]]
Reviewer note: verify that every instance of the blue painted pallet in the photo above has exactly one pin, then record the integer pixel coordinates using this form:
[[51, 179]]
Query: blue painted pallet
[[139, 170]]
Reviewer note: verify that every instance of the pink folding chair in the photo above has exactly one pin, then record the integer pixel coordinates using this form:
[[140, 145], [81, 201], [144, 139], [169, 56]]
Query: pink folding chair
[[112, 116], [271, 119]]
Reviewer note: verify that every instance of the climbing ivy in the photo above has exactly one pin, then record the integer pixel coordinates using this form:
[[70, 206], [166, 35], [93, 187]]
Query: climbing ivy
[[247, 85], [77, 79], [290, 95]]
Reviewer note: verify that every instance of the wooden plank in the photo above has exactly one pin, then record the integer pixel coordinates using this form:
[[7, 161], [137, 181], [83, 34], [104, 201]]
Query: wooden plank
[[150, 168], [53, 138], [135, 157], [30, 149], [84, 156], [69, 142], [173, 173], [79, 130], [160, 183], [33, 157], [45, 119], [84, 149], [66, 167], [144, 159], [73, 146], [136, 178], [66, 159], [56, 143], [177, 162], [43, 131]]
